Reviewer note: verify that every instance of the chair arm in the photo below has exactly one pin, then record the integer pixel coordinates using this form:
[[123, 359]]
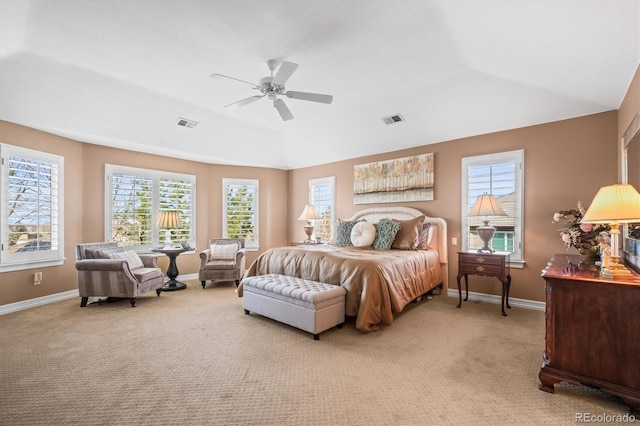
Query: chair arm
[[149, 260], [204, 257], [102, 265], [239, 255]]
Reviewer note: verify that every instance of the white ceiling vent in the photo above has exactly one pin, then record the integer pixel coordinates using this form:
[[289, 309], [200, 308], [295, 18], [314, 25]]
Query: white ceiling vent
[[185, 122], [396, 118]]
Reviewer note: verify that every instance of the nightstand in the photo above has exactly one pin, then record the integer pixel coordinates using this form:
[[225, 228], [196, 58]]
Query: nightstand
[[306, 243], [494, 264]]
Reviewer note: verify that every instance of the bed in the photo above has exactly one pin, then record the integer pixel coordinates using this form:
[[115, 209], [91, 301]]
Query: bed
[[379, 283]]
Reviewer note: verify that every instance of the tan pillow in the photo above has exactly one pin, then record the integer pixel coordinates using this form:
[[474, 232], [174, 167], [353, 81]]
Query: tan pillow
[[407, 236], [130, 256], [223, 251]]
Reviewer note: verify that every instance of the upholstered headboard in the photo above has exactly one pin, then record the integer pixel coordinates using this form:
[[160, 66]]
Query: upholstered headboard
[[438, 225]]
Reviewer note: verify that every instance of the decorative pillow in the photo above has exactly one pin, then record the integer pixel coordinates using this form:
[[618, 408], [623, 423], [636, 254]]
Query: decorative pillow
[[407, 236], [343, 232], [130, 256], [223, 251], [425, 237], [386, 230], [363, 234], [106, 253]]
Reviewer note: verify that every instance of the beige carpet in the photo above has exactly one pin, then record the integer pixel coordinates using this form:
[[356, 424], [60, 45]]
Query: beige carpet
[[193, 357]]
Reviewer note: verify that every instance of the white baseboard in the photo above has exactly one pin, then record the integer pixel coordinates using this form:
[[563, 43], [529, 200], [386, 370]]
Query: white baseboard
[[38, 301], [491, 298]]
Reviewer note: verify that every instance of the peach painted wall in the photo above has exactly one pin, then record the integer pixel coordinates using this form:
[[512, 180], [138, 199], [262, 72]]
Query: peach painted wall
[[565, 162], [84, 204]]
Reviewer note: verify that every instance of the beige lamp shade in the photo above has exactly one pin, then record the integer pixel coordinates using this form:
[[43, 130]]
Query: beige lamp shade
[[309, 213], [169, 219], [486, 205], [614, 204]]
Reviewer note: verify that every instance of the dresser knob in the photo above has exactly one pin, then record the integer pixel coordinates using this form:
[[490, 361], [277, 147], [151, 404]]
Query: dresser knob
[[480, 259], [479, 268]]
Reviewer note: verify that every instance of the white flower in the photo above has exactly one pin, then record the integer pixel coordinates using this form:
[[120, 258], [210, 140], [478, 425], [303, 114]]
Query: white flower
[[557, 217], [566, 238]]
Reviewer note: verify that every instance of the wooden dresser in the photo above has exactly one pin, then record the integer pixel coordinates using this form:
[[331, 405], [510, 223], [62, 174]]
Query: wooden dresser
[[592, 330]]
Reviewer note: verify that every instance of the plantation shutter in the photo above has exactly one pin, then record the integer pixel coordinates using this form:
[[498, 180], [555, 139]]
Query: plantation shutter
[[132, 210], [240, 210], [177, 195], [322, 196]]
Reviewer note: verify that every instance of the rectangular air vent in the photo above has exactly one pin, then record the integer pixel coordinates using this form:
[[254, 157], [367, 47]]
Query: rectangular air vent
[[396, 118], [184, 122]]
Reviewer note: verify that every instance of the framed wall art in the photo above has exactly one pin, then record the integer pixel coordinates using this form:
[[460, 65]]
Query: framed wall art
[[394, 181]]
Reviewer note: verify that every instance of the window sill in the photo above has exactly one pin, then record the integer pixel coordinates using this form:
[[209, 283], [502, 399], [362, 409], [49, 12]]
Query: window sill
[[33, 264]]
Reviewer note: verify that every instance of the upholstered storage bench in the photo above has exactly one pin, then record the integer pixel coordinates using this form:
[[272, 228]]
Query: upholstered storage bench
[[308, 305]]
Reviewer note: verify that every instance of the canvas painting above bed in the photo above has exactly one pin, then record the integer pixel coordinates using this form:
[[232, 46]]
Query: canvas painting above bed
[[394, 181]]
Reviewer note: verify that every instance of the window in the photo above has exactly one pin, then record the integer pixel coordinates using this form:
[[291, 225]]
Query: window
[[32, 217], [134, 199], [322, 195], [240, 210], [499, 174]]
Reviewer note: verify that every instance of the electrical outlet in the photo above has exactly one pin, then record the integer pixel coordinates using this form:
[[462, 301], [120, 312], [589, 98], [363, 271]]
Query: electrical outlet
[[37, 278], [454, 241]]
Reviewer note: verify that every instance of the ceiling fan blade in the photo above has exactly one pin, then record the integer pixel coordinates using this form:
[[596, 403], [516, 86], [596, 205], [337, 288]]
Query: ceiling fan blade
[[244, 102], [255, 86], [314, 97], [284, 72], [282, 109]]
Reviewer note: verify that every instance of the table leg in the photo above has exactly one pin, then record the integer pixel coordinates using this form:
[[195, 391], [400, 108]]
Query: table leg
[[508, 289], [466, 285], [172, 273], [505, 290]]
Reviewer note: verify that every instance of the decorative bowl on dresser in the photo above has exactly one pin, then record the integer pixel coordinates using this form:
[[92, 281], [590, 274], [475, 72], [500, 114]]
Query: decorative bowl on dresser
[[592, 330]]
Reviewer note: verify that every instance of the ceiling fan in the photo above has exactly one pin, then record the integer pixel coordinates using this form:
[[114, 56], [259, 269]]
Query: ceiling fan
[[273, 86]]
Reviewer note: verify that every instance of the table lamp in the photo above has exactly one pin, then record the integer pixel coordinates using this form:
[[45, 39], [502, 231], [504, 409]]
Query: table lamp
[[486, 205], [613, 205], [169, 219], [309, 213]]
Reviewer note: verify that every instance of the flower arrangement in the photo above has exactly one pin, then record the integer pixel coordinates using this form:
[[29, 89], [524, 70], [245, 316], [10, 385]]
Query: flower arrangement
[[587, 238]]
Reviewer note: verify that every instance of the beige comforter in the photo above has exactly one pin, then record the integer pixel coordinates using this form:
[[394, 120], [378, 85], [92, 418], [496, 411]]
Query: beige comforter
[[378, 283]]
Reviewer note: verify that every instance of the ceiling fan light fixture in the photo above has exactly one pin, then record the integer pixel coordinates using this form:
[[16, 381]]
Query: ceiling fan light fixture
[[273, 86]]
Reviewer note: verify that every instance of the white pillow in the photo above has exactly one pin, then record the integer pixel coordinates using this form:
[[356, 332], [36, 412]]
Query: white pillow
[[223, 251], [363, 234], [130, 256]]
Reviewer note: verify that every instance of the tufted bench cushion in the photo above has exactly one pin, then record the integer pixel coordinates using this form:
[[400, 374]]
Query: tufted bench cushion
[[308, 305]]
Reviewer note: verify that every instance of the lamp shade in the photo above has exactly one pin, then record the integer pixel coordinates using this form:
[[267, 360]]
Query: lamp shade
[[169, 219], [614, 204], [309, 213], [486, 205]]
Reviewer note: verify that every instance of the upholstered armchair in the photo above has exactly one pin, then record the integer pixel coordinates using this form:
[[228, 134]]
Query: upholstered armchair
[[224, 260], [104, 270]]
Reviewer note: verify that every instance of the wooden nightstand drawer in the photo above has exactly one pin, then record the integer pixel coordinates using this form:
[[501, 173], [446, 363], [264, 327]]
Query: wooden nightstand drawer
[[478, 268], [480, 259]]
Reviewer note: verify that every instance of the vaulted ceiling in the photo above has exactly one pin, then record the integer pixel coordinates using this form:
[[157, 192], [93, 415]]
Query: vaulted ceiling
[[121, 73]]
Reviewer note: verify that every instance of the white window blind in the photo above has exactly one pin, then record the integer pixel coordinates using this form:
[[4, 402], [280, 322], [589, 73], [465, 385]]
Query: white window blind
[[240, 210], [32, 218], [135, 198], [322, 197], [501, 175]]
